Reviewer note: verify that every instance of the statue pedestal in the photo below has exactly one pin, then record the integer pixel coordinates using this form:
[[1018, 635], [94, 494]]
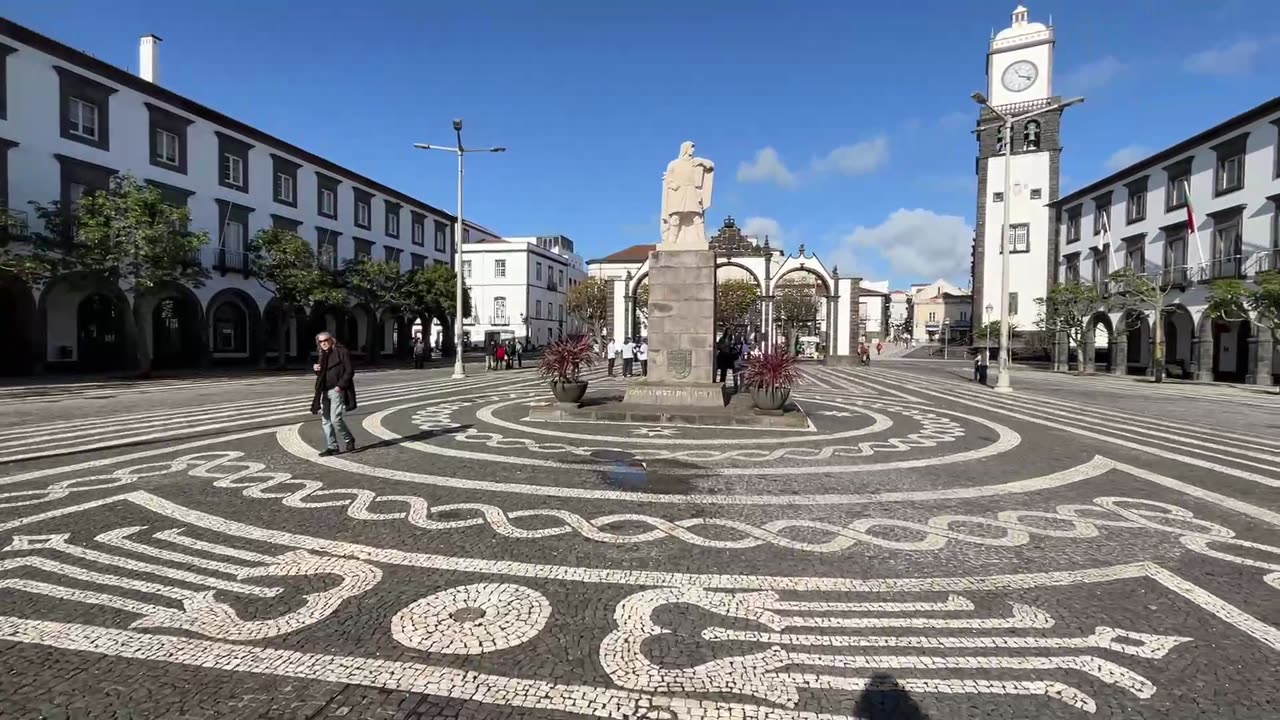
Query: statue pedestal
[[682, 312]]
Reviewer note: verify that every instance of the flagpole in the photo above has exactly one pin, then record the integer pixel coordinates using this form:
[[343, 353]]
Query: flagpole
[[1191, 222]]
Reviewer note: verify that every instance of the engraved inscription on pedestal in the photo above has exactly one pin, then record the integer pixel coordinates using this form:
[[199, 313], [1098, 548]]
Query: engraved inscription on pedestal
[[680, 363]]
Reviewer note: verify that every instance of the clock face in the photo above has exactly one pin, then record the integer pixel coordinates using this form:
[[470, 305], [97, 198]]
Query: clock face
[[1020, 76]]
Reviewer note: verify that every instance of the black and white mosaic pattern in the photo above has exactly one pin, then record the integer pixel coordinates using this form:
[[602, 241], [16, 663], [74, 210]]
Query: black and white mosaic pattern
[[923, 547]]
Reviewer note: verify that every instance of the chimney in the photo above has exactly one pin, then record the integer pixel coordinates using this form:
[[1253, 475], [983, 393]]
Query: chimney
[[149, 58]]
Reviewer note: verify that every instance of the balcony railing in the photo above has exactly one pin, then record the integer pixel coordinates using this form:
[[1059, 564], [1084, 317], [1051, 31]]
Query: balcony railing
[[1174, 276], [225, 260], [499, 320], [13, 223], [1221, 268], [1265, 261]]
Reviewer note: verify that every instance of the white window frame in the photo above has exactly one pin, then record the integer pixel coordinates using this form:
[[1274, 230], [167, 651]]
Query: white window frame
[[232, 170], [499, 268], [393, 224], [328, 202], [420, 234], [166, 141], [466, 269], [1073, 228], [233, 236], [1177, 190], [500, 315], [362, 214], [84, 118], [284, 187], [1014, 230], [1136, 206], [1221, 170]]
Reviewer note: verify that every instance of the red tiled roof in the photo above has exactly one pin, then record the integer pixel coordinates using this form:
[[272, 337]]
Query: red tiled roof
[[635, 253]]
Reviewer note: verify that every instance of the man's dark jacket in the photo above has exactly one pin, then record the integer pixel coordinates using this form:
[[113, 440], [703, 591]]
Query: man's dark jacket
[[336, 370]]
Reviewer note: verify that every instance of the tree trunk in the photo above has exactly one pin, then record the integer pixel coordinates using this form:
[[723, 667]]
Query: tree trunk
[[374, 348], [142, 343], [447, 344], [282, 336], [1157, 349]]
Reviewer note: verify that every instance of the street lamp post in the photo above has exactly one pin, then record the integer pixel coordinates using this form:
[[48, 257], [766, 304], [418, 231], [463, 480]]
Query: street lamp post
[[986, 320], [946, 336], [1006, 125], [458, 236]]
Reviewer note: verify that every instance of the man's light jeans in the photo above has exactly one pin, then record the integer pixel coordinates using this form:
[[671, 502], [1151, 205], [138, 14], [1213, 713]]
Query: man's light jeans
[[331, 417]]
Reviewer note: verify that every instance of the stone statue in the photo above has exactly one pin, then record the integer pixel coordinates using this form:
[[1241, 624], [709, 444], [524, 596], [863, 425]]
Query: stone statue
[[686, 195]]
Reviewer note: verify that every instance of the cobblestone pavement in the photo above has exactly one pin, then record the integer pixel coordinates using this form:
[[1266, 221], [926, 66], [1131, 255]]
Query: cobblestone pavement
[[926, 548]]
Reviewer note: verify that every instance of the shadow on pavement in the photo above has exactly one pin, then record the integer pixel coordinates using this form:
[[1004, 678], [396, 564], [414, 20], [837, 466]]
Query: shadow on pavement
[[883, 698]]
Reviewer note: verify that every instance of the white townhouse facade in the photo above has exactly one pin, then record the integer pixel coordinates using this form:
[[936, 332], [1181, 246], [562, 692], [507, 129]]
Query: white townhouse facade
[[520, 288], [873, 299], [1227, 180], [69, 122], [939, 309]]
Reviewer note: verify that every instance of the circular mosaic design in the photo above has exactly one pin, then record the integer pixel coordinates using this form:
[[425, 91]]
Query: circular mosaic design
[[472, 619]]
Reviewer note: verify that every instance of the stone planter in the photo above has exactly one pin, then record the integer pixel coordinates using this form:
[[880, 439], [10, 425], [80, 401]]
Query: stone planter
[[569, 392], [770, 399]]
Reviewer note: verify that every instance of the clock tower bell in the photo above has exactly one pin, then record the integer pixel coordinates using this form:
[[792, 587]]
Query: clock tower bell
[[1019, 82]]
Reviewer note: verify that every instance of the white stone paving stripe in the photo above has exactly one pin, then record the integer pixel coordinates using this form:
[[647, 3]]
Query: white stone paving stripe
[[1133, 420], [291, 440], [126, 437], [1160, 436], [407, 677], [1057, 424]]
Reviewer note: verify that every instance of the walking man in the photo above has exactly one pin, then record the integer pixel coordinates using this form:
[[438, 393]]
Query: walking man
[[611, 350], [335, 394], [642, 354]]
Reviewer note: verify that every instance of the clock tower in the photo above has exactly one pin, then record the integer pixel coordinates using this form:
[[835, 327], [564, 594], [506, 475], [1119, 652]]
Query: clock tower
[[1019, 81]]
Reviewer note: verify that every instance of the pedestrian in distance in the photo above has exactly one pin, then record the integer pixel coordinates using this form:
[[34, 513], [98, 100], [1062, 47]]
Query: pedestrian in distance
[[419, 352], [335, 394], [642, 354], [500, 356], [611, 351], [519, 354], [628, 356]]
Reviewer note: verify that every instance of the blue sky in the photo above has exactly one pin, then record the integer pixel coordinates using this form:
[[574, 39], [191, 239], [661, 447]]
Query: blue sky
[[840, 125]]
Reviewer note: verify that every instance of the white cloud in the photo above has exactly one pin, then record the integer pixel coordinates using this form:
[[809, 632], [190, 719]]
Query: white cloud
[[761, 226], [1092, 75], [1236, 59], [919, 244], [767, 167], [857, 159], [1126, 156]]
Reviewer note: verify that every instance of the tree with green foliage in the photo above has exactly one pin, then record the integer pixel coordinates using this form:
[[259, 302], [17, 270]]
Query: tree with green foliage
[[1232, 300], [736, 300], [589, 301], [285, 266], [380, 286], [795, 303], [642, 302], [430, 293], [125, 236], [1143, 293], [1064, 311]]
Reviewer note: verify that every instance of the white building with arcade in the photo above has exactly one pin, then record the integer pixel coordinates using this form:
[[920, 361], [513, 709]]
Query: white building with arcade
[[1202, 210], [69, 122]]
